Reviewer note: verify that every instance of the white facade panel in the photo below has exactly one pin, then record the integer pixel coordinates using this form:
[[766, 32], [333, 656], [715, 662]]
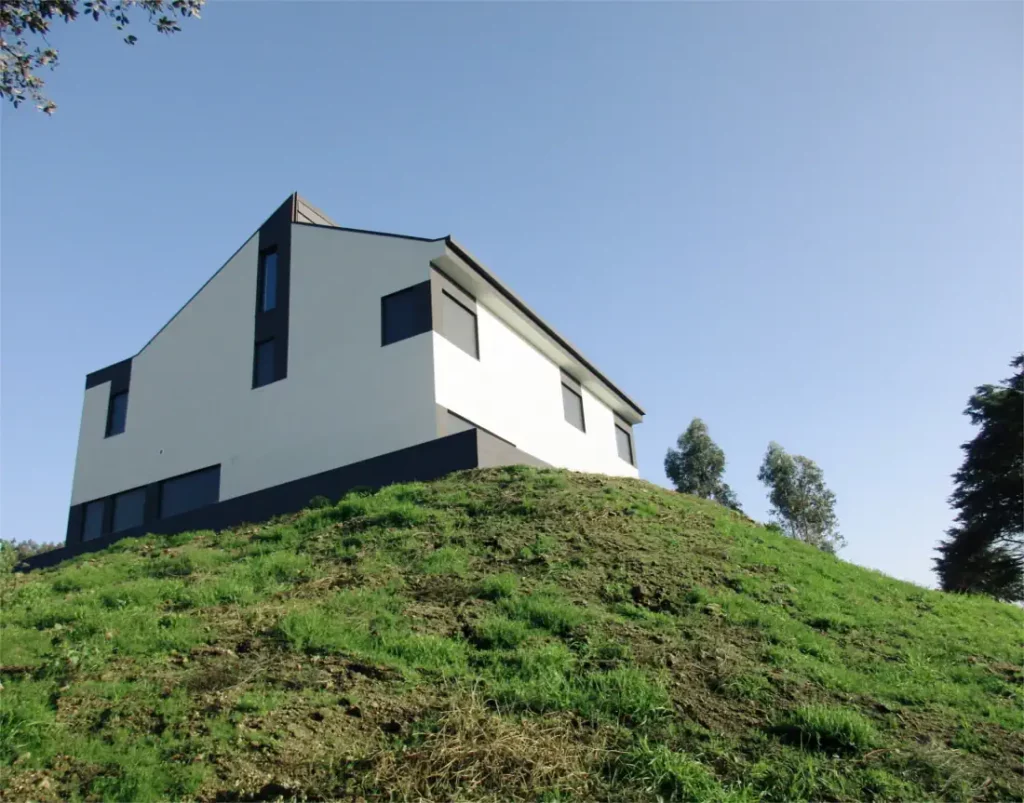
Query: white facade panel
[[345, 398], [516, 392]]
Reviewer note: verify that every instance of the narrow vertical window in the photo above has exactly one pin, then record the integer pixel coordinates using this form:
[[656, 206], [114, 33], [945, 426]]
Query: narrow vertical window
[[572, 402], [268, 281], [263, 364], [117, 413]]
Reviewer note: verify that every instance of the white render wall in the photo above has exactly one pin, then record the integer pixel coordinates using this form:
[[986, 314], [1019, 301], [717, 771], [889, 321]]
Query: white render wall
[[191, 402], [516, 392]]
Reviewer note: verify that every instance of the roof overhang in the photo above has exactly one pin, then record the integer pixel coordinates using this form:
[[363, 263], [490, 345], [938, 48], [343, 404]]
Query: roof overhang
[[465, 269]]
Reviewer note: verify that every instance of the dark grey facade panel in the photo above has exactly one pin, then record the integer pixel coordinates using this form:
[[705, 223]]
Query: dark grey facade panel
[[119, 375], [572, 406], [275, 236], [426, 461], [405, 313]]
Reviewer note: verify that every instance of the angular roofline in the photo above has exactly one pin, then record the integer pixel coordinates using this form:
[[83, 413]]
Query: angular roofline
[[296, 201], [545, 327]]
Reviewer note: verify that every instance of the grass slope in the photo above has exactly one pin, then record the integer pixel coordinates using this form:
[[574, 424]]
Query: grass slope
[[508, 634]]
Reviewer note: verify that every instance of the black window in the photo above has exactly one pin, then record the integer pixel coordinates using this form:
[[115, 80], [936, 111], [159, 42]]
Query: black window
[[117, 413], [624, 444], [263, 364], [189, 491], [128, 509], [459, 325], [92, 520], [572, 406], [405, 314], [267, 282]]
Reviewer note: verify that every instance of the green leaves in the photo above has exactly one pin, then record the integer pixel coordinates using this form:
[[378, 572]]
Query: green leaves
[[984, 551], [20, 20], [800, 499], [697, 465]]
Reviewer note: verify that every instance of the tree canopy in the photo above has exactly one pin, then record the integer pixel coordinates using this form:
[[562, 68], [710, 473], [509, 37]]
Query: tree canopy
[[25, 48], [984, 549], [697, 464], [802, 504]]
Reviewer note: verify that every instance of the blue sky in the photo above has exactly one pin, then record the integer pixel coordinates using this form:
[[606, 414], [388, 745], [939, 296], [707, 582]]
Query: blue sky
[[801, 222]]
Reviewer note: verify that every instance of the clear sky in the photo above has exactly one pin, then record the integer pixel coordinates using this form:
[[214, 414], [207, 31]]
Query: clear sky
[[799, 221]]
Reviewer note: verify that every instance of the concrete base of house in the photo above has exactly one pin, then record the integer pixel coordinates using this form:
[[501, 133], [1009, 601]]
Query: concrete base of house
[[472, 448]]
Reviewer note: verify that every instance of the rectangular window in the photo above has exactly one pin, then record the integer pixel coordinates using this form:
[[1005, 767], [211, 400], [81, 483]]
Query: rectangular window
[[92, 520], [117, 413], [459, 325], [624, 444], [405, 314], [263, 364], [128, 508], [267, 281], [189, 491], [572, 406]]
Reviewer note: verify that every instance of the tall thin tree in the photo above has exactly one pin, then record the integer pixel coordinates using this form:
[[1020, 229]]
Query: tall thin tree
[[696, 466], [802, 504]]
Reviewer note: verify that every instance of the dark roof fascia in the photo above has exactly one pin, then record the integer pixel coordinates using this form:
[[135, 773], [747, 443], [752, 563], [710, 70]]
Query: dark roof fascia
[[522, 306]]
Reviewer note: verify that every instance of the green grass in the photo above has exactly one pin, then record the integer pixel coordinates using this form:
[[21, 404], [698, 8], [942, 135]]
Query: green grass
[[536, 634]]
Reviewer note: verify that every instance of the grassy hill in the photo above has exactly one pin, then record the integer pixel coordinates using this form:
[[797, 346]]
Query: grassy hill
[[508, 634]]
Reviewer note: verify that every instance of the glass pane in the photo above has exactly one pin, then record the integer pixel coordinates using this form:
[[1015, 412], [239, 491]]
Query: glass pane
[[624, 443], [269, 281], [264, 370], [572, 405], [118, 413], [128, 509], [190, 491], [92, 521], [459, 326]]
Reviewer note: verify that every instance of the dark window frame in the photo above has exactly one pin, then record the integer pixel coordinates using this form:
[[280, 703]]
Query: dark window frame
[[578, 393], [109, 431], [417, 293], [113, 512], [101, 506], [261, 279], [476, 323], [628, 432], [256, 363]]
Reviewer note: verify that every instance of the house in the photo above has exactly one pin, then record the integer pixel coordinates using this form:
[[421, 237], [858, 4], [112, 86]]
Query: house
[[320, 358]]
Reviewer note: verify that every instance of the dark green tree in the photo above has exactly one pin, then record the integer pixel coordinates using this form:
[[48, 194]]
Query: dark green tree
[[697, 464], [802, 505], [983, 551], [25, 47]]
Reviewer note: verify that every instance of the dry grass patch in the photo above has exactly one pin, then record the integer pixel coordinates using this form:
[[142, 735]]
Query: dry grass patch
[[478, 754]]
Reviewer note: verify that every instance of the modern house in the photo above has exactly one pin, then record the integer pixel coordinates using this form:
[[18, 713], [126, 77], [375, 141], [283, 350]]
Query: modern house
[[319, 358]]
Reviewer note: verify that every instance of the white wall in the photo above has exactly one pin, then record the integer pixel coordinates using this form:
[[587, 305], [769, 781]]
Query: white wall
[[191, 402], [516, 392]]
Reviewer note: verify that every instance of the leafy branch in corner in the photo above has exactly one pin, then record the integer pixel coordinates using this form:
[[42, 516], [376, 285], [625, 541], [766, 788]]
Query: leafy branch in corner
[[25, 49]]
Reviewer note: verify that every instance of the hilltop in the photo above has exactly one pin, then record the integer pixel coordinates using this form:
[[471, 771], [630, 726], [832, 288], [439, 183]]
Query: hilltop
[[506, 634]]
